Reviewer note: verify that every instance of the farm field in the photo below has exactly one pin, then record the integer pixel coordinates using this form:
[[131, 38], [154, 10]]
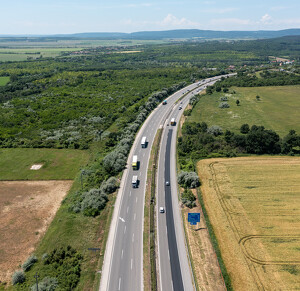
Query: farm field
[[254, 207], [22, 54], [278, 109], [58, 164], [4, 81], [26, 210]]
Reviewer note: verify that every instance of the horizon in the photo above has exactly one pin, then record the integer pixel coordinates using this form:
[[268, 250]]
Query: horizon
[[77, 16], [120, 32]]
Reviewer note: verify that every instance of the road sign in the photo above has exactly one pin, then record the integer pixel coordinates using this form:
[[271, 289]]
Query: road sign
[[193, 218]]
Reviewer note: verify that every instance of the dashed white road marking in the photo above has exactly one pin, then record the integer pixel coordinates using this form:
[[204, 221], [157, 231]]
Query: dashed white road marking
[[127, 209], [131, 264], [133, 237], [122, 254], [120, 283], [136, 200], [134, 216], [124, 229]]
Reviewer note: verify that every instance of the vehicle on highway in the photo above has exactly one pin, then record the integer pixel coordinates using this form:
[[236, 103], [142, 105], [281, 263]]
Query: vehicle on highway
[[179, 107], [134, 162], [173, 122], [161, 210], [135, 182], [167, 183], [164, 102], [144, 142]]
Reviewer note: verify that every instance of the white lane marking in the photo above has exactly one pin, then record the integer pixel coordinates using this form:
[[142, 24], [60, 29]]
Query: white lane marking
[[134, 216], [120, 283], [129, 193], [133, 237], [121, 218], [143, 154], [131, 264], [124, 229], [122, 254], [136, 200], [140, 174], [127, 209]]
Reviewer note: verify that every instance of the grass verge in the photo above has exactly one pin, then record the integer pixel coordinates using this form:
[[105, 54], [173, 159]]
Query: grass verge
[[215, 243]]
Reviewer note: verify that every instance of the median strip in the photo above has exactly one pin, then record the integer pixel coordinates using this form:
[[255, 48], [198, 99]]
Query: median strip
[[149, 260]]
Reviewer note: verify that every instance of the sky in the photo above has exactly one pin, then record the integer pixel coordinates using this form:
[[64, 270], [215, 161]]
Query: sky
[[75, 16]]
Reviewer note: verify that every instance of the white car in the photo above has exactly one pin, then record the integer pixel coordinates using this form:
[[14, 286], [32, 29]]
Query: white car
[[161, 210]]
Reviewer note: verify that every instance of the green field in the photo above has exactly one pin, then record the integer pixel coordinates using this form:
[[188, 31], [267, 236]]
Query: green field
[[12, 51], [58, 164], [278, 109], [22, 54], [4, 81]]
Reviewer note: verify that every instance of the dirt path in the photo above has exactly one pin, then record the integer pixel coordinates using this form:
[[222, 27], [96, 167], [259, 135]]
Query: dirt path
[[26, 210]]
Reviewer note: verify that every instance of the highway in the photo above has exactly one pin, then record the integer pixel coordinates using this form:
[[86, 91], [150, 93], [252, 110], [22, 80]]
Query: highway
[[123, 261]]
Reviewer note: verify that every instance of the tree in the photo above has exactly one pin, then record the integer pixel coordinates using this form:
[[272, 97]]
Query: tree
[[237, 102], [257, 98], [244, 128]]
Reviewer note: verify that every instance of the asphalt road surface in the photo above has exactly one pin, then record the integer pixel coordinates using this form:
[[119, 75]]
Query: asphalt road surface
[[123, 260]]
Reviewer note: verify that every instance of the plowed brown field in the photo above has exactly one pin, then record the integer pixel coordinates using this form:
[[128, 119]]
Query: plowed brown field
[[254, 206], [26, 210]]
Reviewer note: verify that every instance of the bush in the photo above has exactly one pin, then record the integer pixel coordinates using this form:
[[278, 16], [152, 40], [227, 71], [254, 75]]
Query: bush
[[187, 112], [18, 277], [224, 105], [47, 284], [215, 130], [93, 201], [245, 128], [188, 179], [44, 257], [224, 98], [110, 185], [29, 263], [188, 198]]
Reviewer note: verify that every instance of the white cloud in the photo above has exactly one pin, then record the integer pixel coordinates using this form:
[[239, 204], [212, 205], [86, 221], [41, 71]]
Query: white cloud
[[266, 19], [171, 20]]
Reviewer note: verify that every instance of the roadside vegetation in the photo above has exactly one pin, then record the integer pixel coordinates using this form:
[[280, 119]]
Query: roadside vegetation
[[94, 102]]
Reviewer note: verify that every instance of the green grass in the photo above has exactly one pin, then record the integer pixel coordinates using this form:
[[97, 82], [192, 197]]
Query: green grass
[[22, 54], [59, 164], [4, 81], [278, 109]]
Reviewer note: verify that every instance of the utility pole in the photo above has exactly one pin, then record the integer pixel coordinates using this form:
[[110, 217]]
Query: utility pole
[[36, 276]]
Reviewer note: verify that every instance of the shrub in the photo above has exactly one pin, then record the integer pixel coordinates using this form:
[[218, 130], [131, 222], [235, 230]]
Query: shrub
[[224, 98], [245, 128], [224, 105], [188, 198], [29, 263], [187, 112], [47, 284], [93, 201], [110, 185], [188, 179], [44, 256], [215, 130], [18, 277]]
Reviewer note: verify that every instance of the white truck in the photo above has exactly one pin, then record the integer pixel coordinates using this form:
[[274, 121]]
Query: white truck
[[135, 181], [144, 142], [173, 122]]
